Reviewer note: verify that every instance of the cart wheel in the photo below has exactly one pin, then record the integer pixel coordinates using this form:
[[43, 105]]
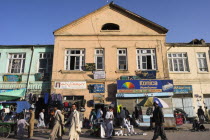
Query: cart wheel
[[5, 131]]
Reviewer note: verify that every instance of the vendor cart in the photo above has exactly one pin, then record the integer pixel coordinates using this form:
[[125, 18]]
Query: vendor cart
[[9, 124], [6, 128]]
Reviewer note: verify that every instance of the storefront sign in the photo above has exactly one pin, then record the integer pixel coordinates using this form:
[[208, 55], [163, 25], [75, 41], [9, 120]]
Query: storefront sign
[[98, 97], [99, 74], [147, 74], [6, 90], [139, 95], [32, 86], [182, 89], [71, 85], [96, 88], [130, 78], [144, 86], [12, 78]]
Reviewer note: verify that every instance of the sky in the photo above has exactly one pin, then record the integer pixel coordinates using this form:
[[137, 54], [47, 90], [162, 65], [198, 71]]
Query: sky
[[32, 22]]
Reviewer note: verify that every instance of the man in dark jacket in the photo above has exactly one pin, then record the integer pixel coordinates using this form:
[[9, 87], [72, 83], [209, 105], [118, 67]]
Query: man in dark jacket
[[201, 115], [158, 118]]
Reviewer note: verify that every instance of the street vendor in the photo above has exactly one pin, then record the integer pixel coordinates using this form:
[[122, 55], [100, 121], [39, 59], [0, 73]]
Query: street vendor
[[3, 114], [21, 124]]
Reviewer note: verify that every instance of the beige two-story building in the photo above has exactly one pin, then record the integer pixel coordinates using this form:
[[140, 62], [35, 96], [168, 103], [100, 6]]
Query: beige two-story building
[[119, 42], [189, 68]]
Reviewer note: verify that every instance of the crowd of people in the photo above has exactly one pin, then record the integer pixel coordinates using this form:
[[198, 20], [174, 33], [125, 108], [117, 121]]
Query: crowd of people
[[110, 117]]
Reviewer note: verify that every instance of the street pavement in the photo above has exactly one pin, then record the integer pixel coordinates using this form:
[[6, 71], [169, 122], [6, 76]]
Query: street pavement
[[183, 133]]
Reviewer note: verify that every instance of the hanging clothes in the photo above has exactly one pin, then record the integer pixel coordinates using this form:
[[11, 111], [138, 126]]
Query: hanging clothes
[[46, 98], [59, 98], [31, 97]]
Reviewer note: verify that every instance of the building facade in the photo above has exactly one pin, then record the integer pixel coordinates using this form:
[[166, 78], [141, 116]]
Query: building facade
[[111, 57], [119, 43], [26, 69], [189, 68]]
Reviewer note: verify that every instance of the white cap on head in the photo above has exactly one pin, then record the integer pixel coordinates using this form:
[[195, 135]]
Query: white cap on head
[[157, 102]]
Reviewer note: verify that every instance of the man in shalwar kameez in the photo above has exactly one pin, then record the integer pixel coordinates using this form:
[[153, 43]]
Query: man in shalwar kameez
[[58, 126], [74, 124], [41, 122], [31, 123], [109, 122]]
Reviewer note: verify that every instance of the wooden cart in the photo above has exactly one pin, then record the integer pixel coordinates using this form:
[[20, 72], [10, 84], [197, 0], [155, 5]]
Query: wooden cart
[[6, 128]]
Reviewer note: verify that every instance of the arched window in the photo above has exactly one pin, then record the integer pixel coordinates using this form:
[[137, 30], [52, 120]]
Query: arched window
[[110, 26]]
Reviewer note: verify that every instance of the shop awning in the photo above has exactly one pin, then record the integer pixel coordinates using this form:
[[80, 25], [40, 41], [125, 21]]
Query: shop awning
[[11, 94], [138, 95], [21, 105]]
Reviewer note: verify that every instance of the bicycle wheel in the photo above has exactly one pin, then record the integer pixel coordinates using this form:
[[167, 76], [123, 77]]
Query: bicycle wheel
[[5, 131]]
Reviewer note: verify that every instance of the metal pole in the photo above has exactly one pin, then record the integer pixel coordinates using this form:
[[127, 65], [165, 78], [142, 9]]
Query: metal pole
[[29, 72]]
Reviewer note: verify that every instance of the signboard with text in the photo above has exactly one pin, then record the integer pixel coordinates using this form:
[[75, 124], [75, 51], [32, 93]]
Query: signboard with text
[[12, 78], [144, 86], [147, 74], [182, 89], [99, 74], [71, 85], [96, 88]]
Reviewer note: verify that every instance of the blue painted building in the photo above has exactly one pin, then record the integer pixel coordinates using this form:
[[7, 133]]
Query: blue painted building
[[25, 68]]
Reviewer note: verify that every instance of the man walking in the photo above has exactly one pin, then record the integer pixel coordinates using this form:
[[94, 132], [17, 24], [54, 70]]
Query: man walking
[[31, 123], [75, 127], [109, 122], [41, 122], [158, 118], [122, 116], [201, 115], [57, 130]]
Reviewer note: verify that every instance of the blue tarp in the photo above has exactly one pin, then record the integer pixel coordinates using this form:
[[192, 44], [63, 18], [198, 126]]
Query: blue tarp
[[21, 105]]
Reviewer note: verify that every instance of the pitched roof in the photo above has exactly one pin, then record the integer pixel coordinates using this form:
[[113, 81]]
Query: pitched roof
[[125, 11]]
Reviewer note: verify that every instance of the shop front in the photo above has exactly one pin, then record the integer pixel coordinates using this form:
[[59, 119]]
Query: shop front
[[207, 100], [183, 99], [131, 92]]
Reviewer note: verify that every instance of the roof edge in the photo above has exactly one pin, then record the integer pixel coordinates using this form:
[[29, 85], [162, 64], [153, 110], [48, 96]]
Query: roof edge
[[140, 17], [26, 45], [187, 45]]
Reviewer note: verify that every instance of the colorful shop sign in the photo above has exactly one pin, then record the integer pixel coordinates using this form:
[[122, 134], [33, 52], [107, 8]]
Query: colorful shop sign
[[96, 88], [12, 78], [182, 89], [144, 86], [70, 85]]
